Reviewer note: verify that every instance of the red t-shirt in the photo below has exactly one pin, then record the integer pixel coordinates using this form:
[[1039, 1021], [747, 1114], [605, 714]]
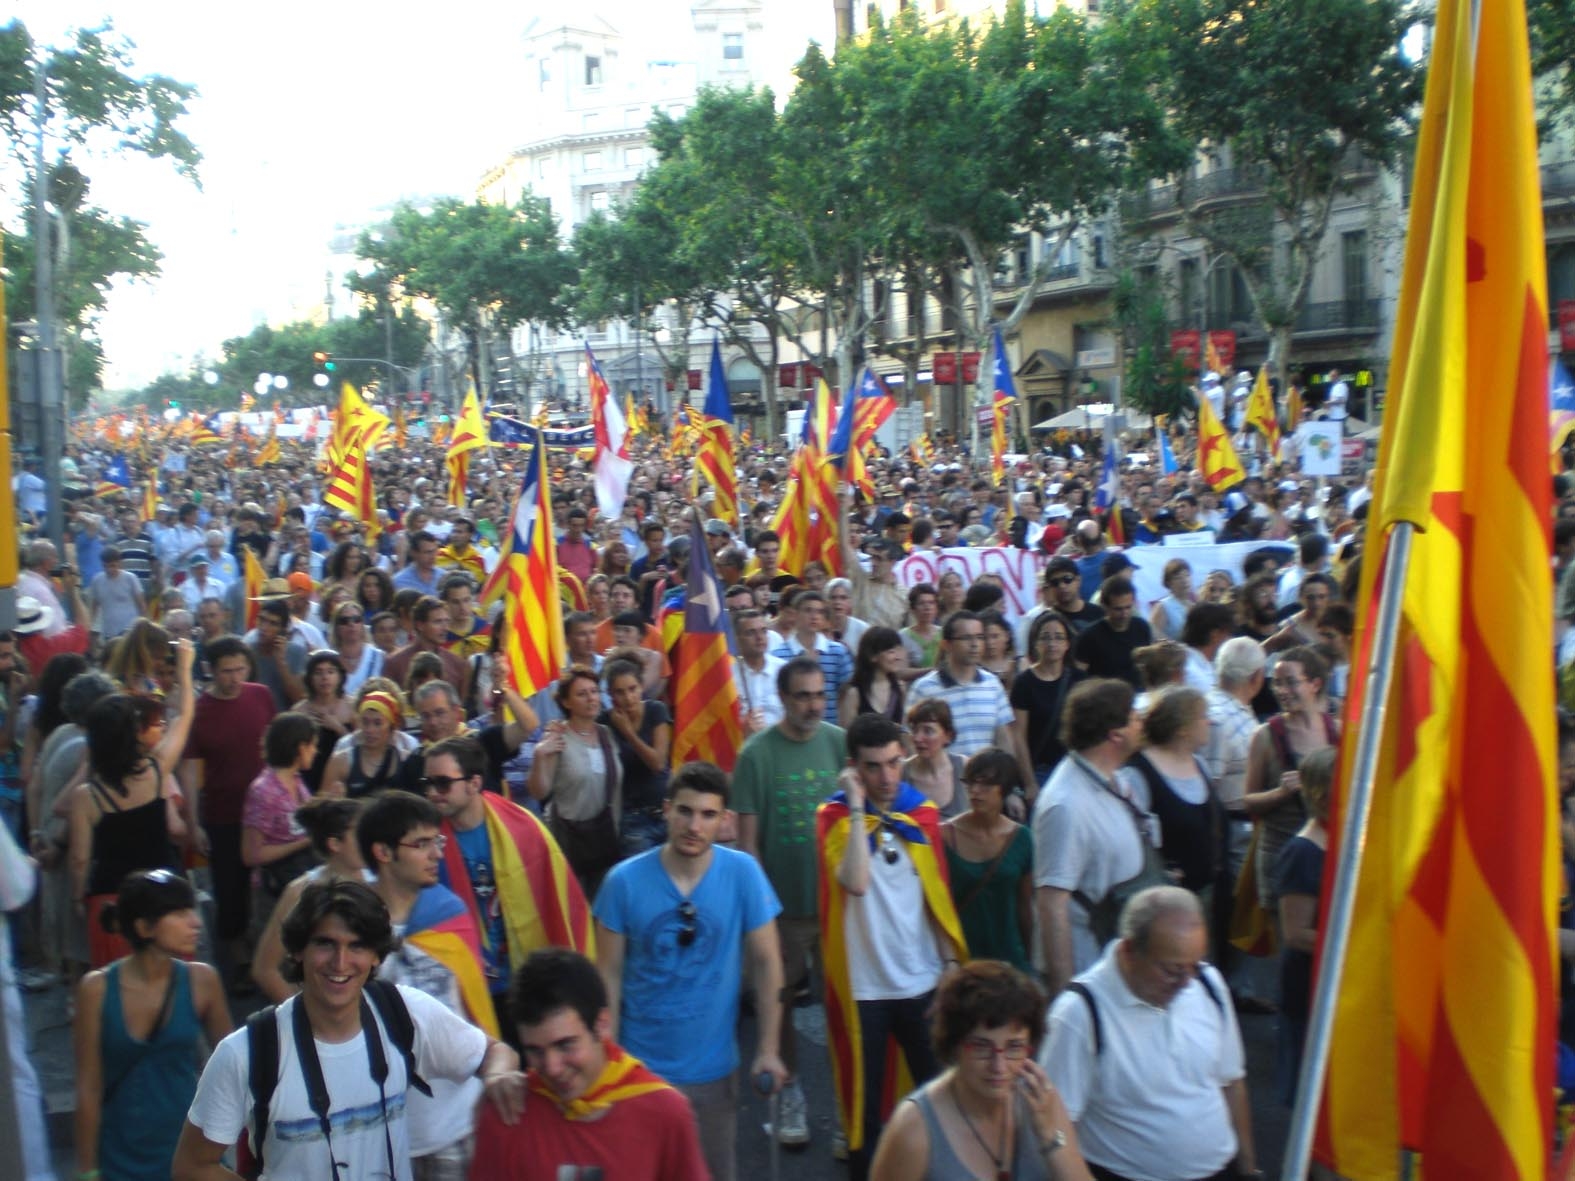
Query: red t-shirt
[[651, 1137], [227, 737]]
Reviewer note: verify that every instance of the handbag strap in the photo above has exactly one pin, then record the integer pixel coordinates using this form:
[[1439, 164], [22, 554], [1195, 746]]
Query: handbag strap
[[988, 875]]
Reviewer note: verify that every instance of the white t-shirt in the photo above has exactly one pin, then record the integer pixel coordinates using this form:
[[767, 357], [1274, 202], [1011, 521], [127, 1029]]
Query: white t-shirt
[[446, 1047], [892, 950]]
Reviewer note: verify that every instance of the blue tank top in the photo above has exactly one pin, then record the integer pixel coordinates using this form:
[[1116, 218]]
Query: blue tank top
[[148, 1085]]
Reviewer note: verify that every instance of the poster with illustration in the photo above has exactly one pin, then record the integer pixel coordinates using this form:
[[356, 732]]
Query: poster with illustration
[[1319, 446]]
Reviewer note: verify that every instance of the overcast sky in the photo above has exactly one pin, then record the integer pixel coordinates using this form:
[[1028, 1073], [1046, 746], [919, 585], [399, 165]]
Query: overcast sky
[[311, 115]]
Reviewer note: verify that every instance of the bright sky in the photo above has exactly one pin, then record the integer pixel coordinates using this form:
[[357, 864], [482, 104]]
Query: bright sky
[[312, 115]]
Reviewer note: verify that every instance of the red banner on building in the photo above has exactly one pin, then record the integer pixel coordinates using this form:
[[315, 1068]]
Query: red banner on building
[[944, 368], [1186, 345], [800, 375], [1567, 325], [1224, 342]]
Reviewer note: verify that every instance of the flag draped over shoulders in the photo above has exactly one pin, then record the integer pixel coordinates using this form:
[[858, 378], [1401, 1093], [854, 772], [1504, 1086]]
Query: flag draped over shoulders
[[440, 926], [918, 822]]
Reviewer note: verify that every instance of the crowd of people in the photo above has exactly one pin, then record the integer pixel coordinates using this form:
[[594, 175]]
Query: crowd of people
[[499, 934]]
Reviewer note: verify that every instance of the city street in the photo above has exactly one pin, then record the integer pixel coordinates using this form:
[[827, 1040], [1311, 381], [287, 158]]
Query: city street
[[51, 1040]]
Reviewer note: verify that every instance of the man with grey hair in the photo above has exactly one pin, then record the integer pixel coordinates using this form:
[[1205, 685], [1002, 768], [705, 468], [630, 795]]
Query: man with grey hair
[[39, 558], [1145, 1050]]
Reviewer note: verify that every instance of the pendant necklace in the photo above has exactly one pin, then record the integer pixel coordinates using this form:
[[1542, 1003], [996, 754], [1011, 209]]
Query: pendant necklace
[[1002, 1173]]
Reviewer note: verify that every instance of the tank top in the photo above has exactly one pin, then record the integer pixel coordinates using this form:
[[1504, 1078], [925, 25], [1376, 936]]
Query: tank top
[[893, 706], [358, 783], [148, 1085], [1027, 1163], [127, 839]]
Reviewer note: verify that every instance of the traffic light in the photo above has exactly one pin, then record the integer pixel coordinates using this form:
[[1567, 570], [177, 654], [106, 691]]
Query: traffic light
[[326, 360]]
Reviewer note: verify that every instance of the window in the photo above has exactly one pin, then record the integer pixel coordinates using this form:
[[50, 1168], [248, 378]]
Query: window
[[1099, 252], [544, 72], [1191, 311], [593, 71], [1023, 257], [593, 161], [733, 47], [634, 157], [1353, 259], [600, 201]]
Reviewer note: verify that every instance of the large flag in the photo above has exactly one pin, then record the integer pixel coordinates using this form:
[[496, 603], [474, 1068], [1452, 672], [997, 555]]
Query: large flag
[[717, 461], [820, 482], [401, 428], [1446, 1020], [355, 422], [705, 701], [116, 478], [1001, 408], [633, 416], [1261, 413], [1217, 458], [1561, 409], [470, 434], [150, 497], [269, 451], [1107, 497], [874, 404], [923, 450], [526, 576], [844, 452], [613, 465]]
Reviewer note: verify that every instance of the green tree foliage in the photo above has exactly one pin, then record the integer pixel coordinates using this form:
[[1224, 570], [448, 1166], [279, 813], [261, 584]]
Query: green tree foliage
[[485, 267], [1296, 97], [287, 351], [1551, 24], [94, 106], [1154, 380]]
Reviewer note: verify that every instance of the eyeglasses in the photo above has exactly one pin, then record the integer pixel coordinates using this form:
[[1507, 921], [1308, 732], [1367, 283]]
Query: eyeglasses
[[350, 618], [425, 844], [985, 1050], [1287, 682], [689, 917], [1062, 580], [441, 783]]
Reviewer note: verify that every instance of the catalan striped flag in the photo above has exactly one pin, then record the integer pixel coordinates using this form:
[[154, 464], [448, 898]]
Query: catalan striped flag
[[923, 450], [820, 482], [470, 434], [269, 451], [716, 462], [253, 576], [206, 431], [705, 701], [746, 437], [1446, 1019], [355, 422], [1001, 408], [526, 577], [1261, 413], [349, 485]]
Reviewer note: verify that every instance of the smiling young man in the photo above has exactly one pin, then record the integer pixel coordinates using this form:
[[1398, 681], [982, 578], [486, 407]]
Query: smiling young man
[[672, 925], [331, 1043], [594, 1109]]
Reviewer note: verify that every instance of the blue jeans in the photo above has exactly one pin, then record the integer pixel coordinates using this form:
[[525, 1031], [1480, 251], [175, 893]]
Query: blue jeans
[[640, 831]]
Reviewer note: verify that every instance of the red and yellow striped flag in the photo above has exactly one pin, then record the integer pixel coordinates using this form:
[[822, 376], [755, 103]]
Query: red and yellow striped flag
[[705, 699], [269, 451], [254, 577], [470, 434], [1447, 1016], [526, 577]]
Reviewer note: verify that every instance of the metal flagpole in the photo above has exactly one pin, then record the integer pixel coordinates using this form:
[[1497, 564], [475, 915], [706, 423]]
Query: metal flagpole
[[1353, 836]]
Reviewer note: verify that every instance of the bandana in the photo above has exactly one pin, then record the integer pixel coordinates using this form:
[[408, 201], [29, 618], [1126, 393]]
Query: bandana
[[382, 703], [624, 1077]]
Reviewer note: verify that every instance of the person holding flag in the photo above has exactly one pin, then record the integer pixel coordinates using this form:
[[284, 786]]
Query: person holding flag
[[612, 463], [716, 461]]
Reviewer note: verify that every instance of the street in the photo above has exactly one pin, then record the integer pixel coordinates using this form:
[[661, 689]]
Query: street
[[51, 1041]]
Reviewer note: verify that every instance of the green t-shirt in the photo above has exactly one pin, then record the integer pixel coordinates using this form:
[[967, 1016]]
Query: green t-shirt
[[782, 782]]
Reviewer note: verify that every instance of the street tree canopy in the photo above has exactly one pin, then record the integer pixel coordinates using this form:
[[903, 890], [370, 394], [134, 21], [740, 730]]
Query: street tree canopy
[[485, 267], [1297, 97]]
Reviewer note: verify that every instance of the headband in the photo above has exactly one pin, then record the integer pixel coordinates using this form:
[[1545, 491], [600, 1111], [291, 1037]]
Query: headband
[[382, 703]]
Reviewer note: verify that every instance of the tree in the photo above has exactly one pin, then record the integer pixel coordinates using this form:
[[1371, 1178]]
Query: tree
[[1551, 24], [92, 105], [1297, 94], [486, 267], [1154, 379], [287, 351]]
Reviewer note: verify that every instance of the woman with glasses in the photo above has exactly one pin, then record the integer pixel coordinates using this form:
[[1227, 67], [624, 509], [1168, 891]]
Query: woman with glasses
[[991, 860], [992, 1112], [1273, 785], [369, 759], [1039, 694], [349, 637], [122, 818], [138, 1028], [330, 824], [273, 846]]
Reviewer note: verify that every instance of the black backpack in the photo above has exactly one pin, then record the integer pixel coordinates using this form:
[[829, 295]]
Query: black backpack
[[262, 1042], [1083, 991]]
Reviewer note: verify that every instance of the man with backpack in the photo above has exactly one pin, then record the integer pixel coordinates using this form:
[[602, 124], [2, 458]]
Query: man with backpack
[[319, 1083], [1146, 1053]]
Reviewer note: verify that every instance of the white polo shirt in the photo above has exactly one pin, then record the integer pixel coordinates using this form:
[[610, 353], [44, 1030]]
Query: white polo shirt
[[1151, 1103]]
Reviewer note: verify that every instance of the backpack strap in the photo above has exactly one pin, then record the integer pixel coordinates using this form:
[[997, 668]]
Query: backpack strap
[[262, 1074], [1082, 990], [1208, 987], [396, 1019], [312, 1072]]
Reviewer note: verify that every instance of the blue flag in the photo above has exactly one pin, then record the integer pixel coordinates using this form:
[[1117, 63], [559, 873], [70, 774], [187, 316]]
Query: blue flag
[[1167, 457], [718, 404]]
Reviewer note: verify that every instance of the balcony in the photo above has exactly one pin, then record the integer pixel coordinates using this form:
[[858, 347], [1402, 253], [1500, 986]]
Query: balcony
[[1558, 180], [1339, 315]]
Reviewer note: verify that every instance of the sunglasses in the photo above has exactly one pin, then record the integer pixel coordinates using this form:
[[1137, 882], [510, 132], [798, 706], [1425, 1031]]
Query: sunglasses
[[441, 783], [350, 618], [1063, 580], [688, 917], [888, 846]]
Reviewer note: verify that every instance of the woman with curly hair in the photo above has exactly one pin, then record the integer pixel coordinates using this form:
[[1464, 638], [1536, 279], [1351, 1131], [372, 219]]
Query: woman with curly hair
[[345, 564]]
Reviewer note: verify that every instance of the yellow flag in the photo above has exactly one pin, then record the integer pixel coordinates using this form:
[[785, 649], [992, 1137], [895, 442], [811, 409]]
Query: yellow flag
[[1261, 413], [1217, 458]]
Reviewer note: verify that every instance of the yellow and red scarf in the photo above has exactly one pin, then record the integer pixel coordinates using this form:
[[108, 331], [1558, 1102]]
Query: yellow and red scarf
[[624, 1077]]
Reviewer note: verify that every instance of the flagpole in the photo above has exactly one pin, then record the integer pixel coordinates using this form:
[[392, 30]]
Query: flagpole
[[1353, 835]]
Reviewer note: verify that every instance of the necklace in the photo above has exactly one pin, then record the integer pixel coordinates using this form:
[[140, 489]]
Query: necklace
[[1002, 1173], [591, 733]]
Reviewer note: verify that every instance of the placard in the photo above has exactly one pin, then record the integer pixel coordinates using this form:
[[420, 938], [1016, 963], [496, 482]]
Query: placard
[[1318, 444]]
